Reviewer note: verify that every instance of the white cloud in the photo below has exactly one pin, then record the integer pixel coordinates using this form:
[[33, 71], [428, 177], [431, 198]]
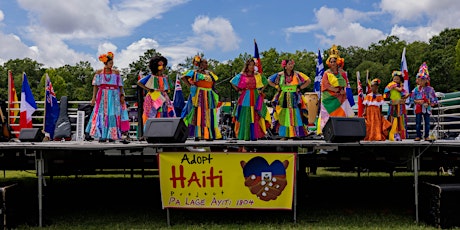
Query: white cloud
[[2, 16], [215, 32], [13, 47], [437, 14], [341, 28]]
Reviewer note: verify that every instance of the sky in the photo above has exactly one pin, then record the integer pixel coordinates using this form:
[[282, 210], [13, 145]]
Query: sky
[[56, 33]]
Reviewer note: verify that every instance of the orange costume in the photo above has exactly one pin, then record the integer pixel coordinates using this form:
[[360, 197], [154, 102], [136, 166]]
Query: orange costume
[[376, 125]]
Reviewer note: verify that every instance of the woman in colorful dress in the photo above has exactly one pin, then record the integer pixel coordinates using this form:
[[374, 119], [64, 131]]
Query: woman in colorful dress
[[397, 115], [200, 112], [109, 118], [376, 124], [334, 102], [290, 112], [156, 103], [251, 115]]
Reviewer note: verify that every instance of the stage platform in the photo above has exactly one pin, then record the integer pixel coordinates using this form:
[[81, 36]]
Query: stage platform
[[70, 157]]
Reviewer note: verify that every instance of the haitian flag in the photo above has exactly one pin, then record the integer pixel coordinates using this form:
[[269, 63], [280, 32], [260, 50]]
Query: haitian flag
[[51, 108], [349, 92], [257, 57], [319, 74], [28, 105], [178, 98]]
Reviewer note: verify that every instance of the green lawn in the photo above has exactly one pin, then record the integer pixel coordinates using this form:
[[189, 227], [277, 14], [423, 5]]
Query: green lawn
[[328, 200]]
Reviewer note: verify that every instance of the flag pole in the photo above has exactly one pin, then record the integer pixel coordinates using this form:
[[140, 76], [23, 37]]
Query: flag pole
[[44, 106], [9, 94]]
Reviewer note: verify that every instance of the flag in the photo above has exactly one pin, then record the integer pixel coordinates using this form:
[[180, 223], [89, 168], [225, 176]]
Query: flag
[[349, 92], [28, 105], [51, 107], [13, 104], [405, 73], [319, 74], [360, 95], [368, 83], [178, 98], [257, 58]]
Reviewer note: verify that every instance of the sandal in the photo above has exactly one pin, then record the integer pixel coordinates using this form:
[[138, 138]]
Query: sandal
[[417, 139]]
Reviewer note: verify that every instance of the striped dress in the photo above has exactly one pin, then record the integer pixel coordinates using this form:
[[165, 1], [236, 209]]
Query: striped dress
[[333, 104], [290, 113], [251, 115], [157, 103], [200, 112]]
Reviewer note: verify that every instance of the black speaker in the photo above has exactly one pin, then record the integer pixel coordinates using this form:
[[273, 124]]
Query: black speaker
[[344, 129], [165, 130], [439, 204], [31, 135]]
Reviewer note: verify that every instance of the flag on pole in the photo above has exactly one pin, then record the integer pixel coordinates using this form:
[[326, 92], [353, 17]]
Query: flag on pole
[[28, 105], [257, 58], [13, 104], [178, 98], [51, 107], [319, 74], [368, 83], [360, 95], [405, 72], [349, 92]]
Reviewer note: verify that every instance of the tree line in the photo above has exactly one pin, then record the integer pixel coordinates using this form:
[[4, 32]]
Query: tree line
[[441, 53]]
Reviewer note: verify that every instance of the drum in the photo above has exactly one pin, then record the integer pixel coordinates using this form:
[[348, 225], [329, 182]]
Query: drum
[[312, 106]]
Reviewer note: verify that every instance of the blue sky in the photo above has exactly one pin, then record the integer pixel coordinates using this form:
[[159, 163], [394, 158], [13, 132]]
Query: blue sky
[[56, 33]]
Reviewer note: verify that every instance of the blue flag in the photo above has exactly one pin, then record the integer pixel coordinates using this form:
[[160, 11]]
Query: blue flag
[[319, 74], [178, 98], [51, 107]]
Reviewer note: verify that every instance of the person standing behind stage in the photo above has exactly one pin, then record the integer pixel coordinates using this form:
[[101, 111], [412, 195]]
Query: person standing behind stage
[[424, 97], [251, 115], [397, 95], [290, 105], [334, 102], [200, 112], [376, 124], [156, 103], [109, 118]]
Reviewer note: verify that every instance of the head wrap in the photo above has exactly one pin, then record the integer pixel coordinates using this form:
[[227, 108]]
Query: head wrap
[[334, 53], [375, 81], [423, 72], [104, 58]]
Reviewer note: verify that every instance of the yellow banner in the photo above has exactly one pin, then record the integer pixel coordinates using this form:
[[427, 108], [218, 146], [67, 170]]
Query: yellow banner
[[227, 180]]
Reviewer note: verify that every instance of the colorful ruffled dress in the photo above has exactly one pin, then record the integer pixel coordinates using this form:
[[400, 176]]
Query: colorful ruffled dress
[[251, 115], [109, 118], [157, 103], [290, 114], [333, 104], [397, 114], [376, 124], [200, 112]]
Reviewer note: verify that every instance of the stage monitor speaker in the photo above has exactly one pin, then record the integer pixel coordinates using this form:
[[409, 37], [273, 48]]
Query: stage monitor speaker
[[165, 130], [31, 135], [344, 129]]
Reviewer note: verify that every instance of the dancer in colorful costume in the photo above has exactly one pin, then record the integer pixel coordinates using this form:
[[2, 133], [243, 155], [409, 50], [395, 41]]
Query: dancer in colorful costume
[[157, 102], [109, 118], [200, 112], [251, 115], [290, 112], [376, 124], [424, 98], [334, 102], [397, 115]]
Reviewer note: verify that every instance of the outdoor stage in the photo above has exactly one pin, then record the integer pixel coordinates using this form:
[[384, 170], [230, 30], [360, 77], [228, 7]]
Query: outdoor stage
[[83, 158]]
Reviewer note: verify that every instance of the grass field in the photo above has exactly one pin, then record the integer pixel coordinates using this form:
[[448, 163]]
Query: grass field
[[328, 200]]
